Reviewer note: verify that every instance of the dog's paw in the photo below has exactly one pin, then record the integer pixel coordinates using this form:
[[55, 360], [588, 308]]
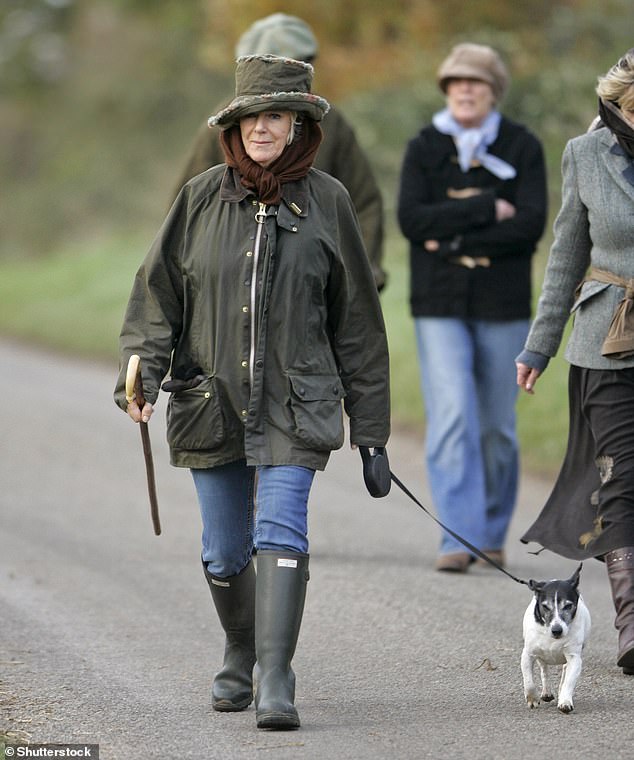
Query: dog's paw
[[548, 697], [532, 699], [565, 706]]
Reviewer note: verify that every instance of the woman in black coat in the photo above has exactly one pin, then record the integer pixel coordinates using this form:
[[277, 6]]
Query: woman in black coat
[[473, 206]]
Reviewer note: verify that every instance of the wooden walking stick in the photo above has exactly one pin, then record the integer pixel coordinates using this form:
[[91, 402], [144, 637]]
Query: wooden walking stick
[[134, 392]]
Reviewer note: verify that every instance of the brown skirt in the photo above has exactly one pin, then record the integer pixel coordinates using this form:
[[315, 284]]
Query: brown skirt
[[591, 508]]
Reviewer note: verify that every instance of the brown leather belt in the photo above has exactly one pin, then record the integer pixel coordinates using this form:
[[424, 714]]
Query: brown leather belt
[[471, 262]]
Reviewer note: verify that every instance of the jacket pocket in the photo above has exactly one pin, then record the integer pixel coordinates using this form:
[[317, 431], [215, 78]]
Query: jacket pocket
[[588, 290], [194, 418], [316, 407]]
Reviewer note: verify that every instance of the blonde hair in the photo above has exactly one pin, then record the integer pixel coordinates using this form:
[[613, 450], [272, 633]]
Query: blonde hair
[[296, 126], [618, 84]]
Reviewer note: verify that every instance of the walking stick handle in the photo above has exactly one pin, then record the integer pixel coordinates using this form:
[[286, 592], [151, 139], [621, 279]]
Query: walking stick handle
[[134, 392], [133, 381]]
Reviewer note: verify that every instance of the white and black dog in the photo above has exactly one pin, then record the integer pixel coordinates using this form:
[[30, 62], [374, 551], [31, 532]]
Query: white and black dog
[[556, 627]]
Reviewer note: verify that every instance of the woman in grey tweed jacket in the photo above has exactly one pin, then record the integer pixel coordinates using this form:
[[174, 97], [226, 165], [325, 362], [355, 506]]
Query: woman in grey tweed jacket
[[590, 512]]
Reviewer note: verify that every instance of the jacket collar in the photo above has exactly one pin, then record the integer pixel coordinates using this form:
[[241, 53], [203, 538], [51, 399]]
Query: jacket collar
[[294, 194], [619, 165]]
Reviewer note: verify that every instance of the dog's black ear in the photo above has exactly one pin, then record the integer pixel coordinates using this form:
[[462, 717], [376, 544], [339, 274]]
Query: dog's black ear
[[536, 586], [574, 580]]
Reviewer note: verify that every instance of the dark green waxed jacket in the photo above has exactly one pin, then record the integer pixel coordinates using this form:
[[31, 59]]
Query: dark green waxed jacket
[[275, 314]]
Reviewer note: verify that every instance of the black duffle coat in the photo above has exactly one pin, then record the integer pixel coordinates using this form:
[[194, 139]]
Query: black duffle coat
[[274, 311], [437, 201]]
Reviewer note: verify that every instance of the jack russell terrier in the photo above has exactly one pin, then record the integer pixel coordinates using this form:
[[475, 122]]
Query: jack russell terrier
[[556, 627]]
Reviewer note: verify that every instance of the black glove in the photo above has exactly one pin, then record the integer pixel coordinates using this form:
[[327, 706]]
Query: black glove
[[376, 471]]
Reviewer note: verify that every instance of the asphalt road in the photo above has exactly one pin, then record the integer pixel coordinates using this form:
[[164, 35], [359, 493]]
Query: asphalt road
[[107, 634]]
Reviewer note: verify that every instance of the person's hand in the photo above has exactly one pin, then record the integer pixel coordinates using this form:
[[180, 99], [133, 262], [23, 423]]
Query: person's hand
[[139, 415], [526, 377], [503, 210]]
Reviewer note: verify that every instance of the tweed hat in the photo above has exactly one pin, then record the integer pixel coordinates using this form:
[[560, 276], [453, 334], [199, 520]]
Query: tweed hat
[[271, 83], [471, 61], [279, 34]]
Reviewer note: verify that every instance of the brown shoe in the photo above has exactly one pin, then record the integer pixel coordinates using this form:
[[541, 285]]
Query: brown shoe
[[497, 555], [457, 562]]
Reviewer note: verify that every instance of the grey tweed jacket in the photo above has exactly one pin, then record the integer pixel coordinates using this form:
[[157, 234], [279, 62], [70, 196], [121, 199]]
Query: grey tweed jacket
[[594, 227]]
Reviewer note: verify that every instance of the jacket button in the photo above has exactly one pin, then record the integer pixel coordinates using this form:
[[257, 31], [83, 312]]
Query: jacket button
[[244, 412], [245, 309], [259, 363], [245, 364], [335, 391], [302, 391], [249, 253]]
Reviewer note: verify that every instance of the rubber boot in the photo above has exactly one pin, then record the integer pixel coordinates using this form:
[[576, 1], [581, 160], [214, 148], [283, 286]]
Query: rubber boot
[[234, 599], [620, 564], [279, 606]]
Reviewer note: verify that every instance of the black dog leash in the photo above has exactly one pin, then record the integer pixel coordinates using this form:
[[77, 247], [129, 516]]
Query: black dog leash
[[378, 477]]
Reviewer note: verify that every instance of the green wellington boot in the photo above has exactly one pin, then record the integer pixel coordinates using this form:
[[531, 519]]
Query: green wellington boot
[[234, 599], [279, 606]]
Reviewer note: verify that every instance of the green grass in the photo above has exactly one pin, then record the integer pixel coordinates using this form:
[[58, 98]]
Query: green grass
[[74, 300]]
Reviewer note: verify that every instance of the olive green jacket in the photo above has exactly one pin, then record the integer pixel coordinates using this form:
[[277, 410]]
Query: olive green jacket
[[339, 155], [277, 319]]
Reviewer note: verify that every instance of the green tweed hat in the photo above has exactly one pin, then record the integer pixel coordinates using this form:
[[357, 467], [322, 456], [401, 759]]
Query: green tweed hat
[[279, 34], [271, 83]]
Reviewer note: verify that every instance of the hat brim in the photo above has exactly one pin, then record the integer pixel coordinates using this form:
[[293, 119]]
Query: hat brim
[[465, 72], [314, 106]]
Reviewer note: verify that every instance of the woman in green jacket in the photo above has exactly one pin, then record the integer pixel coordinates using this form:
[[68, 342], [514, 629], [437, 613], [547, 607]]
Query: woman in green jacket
[[258, 300]]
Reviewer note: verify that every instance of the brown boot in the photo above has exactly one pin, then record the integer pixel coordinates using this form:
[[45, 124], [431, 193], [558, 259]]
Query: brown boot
[[620, 564]]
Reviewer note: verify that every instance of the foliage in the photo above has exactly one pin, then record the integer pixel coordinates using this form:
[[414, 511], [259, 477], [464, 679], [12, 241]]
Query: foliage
[[34, 45]]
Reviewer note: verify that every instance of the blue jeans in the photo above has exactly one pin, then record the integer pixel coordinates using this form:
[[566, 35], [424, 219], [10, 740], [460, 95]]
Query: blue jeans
[[227, 496], [468, 381]]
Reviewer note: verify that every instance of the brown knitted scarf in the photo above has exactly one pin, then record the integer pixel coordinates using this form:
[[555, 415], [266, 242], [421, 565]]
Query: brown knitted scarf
[[293, 164]]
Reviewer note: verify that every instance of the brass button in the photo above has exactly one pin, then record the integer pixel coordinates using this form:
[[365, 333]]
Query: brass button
[[245, 364], [245, 309]]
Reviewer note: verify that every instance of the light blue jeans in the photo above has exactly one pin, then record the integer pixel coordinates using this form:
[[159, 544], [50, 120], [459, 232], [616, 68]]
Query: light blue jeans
[[468, 381], [227, 498]]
